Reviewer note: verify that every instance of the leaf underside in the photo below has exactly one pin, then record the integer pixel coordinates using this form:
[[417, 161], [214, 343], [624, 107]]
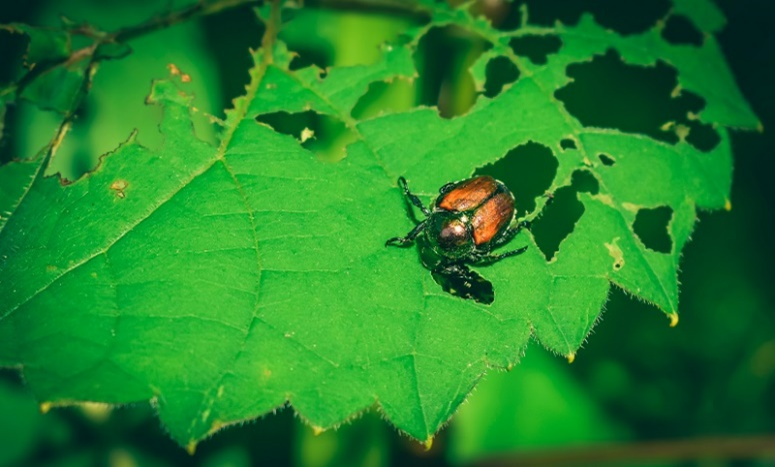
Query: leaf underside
[[224, 281]]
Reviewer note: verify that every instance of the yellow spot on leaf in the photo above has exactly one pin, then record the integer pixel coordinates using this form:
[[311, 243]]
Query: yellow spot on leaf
[[191, 448], [306, 134], [119, 186], [682, 131], [96, 411], [631, 207], [571, 357], [676, 91], [428, 443], [673, 319], [185, 77], [616, 253], [45, 407], [51, 268], [605, 199], [174, 70]]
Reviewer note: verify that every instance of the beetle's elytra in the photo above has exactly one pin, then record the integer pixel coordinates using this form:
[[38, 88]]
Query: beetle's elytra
[[469, 219]]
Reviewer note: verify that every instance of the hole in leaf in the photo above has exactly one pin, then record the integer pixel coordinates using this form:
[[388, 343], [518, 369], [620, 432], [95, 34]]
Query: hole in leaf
[[307, 56], [443, 58], [324, 135], [702, 136], [651, 228], [470, 286], [607, 160], [500, 71], [465, 283], [609, 93], [536, 48], [557, 221], [567, 143], [679, 30], [584, 181], [621, 16], [385, 97], [528, 171]]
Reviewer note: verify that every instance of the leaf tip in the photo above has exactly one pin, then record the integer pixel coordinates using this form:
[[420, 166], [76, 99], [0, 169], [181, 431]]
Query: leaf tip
[[673, 319], [45, 407], [316, 430], [428, 443], [571, 357], [728, 205], [191, 448]]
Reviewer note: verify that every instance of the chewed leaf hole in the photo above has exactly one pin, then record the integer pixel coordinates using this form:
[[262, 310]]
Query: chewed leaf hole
[[621, 16], [305, 57], [629, 17], [567, 143], [325, 136], [470, 286], [500, 71], [651, 228], [606, 160], [611, 94], [528, 171], [702, 136], [584, 181], [557, 221], [443, 58], [536, 48], [384, 97], [679, 30]]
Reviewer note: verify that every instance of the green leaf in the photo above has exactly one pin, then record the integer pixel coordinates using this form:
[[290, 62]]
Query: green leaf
[[224, 280]]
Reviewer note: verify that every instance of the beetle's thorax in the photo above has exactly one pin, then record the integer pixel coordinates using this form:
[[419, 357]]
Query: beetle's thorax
[[449, 234]]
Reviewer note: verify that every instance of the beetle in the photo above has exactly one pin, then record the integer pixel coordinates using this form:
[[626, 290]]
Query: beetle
[[469, 219]]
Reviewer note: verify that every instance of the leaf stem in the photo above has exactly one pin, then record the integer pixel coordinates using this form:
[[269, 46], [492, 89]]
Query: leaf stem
[[200, 9], [726, 448]]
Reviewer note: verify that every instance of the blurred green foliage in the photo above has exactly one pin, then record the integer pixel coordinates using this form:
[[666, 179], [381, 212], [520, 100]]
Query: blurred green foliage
[[636, 379]]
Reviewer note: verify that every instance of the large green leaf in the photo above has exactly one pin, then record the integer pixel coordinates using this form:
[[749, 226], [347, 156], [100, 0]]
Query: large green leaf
[[222, 281]]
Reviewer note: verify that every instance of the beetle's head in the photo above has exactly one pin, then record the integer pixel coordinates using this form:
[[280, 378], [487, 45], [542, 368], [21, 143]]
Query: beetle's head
[[449, 235]]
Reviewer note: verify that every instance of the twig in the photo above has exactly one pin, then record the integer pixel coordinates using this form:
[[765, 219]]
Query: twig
[[726, 448]]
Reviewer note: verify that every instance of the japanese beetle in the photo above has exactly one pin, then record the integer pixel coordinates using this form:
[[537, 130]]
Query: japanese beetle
[[469, 219]]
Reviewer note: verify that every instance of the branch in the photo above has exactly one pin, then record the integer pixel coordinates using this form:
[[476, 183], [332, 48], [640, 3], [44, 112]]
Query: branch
[[172, 18], [669, 450]]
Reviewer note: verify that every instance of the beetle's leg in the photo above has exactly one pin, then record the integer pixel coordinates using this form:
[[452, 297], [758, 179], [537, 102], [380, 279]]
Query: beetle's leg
[[511, 233], [488, 258], [412, 197], [402, 241]]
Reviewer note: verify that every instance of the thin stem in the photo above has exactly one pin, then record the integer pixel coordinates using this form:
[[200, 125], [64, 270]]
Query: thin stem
[[172, 18], [726, 448]]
